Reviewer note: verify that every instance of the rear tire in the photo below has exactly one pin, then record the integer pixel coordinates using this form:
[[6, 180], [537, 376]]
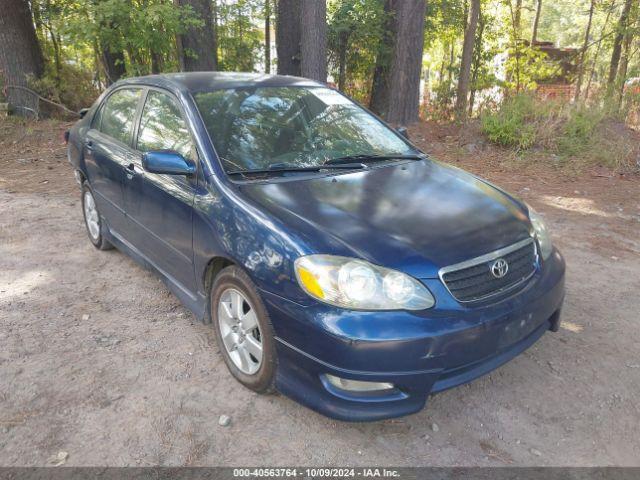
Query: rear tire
[[92, 219], [243, 330]]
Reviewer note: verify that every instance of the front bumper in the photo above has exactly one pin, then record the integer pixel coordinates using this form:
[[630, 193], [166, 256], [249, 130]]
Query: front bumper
[[420, 353]]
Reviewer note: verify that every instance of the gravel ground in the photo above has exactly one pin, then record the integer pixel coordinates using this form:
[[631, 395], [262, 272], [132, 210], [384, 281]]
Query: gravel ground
[[99, 360]]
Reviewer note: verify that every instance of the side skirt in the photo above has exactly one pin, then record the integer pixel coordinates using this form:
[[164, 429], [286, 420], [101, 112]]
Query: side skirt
[[195, 302]]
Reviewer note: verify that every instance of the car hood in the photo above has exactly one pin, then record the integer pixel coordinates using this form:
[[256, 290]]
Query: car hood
[[415, 216]]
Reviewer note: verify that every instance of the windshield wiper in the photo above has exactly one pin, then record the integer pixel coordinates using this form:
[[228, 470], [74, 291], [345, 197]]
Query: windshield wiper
[[370, 158], [284, 167]]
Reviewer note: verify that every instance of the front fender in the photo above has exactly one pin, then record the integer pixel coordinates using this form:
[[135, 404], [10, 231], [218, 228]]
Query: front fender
[[226, 226]]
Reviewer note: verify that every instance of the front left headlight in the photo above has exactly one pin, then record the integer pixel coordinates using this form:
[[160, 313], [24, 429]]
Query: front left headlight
[[541, 233], [359, 285]]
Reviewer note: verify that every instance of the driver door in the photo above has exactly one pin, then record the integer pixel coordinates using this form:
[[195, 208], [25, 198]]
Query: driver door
[[160, 206]]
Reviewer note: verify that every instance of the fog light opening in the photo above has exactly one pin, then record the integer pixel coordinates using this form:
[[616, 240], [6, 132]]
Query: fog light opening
[[358, 385]]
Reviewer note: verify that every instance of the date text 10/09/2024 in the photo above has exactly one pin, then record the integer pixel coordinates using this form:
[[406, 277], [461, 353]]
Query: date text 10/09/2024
[[315, 472]]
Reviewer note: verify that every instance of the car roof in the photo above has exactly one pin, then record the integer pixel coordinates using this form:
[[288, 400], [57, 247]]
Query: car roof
[[206, 81]]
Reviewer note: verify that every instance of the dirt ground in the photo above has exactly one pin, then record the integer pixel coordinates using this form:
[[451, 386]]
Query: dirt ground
[[99, 360]]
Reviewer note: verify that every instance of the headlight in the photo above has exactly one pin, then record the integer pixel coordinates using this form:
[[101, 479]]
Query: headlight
[[541, 233], [352, 283]]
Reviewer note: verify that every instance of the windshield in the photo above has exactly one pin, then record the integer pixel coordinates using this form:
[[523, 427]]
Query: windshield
[[259, 128]]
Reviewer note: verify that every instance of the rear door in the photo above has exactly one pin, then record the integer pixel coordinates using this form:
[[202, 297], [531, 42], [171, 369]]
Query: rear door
[[159, 206], [107, 153]]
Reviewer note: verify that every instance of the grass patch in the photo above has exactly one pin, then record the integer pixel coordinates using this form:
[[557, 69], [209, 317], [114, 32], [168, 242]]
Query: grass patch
[[513, 125], [576, 134]]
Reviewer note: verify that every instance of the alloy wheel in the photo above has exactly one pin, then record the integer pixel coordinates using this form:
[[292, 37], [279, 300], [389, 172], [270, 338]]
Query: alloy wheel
[[91, 216], [240, 331]]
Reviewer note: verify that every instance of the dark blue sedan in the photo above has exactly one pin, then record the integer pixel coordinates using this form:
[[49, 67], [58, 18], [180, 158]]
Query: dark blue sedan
[[337, 263]]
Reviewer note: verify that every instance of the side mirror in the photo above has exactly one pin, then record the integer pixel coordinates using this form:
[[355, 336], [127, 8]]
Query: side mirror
[[404, 132], [170, 163]]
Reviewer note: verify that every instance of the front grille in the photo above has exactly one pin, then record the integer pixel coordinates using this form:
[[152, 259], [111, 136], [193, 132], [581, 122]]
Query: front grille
[[473, 280]]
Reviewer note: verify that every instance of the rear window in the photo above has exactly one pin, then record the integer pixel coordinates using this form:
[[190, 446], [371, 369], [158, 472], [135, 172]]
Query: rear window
[[117, 114]]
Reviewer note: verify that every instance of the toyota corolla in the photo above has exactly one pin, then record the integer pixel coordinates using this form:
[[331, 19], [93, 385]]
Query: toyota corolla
[[336, 262]]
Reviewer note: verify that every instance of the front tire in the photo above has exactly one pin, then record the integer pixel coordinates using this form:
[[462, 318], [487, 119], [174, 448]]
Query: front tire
[[93, 220], [243, 330]]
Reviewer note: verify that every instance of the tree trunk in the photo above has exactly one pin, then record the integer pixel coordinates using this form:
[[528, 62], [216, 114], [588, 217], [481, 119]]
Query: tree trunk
[[157, 61], [517, 19], [97, 64], [617, 43], [472, 98], [443, 64], [37, 17], [214, 27], [20, 54], [57, 61], [380, 89], [342, 59], [112, 58], [516, 16], [288, 37], [395, 93], [467, 57], [596, 55], [267, 36], [477, 60], [313, 44], [536, 22], [624, 65], [114, 67], [452, 57], [583, 51], [199, 50], [179, 52]]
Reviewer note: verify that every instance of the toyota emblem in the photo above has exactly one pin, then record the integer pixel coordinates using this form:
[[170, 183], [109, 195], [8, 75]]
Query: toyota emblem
[[499, 268]]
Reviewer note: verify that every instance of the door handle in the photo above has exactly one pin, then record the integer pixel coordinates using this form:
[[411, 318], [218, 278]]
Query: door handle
[[130, 170], [89, 145]]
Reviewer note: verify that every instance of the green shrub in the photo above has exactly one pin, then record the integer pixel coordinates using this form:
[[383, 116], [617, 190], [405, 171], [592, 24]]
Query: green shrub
[[73, 87], [511, 125], [579, 132], [575, 134]]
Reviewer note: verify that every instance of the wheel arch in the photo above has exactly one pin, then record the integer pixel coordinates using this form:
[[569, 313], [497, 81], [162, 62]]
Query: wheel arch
[[214, 266], [81, 178]]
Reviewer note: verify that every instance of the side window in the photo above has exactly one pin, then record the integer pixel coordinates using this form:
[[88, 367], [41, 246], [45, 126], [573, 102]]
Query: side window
[[163, 128], [118, 113], [95, 121]]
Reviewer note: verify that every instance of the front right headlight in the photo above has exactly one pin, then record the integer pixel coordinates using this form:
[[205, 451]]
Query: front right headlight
[[541, 233], [360, 285]]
